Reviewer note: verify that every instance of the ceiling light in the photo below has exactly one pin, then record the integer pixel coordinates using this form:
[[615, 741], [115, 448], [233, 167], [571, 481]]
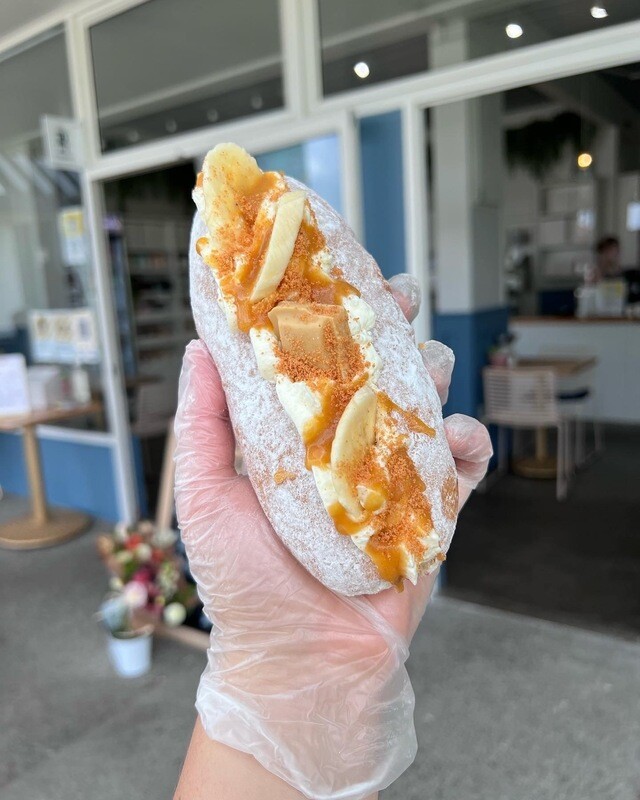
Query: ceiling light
[[599, 12], [361, 69], [256, 102], [585, 160], [171, 125], [213, 115], [513, 30]]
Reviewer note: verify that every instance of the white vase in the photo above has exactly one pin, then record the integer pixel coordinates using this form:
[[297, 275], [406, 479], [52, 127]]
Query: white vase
[[130, 653]]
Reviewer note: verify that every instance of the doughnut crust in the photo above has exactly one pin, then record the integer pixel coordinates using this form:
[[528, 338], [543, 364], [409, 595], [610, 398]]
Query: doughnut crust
[[274, 454]]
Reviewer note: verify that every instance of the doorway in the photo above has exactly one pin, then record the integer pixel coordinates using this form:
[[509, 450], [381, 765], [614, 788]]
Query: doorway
[[525, 186], [148, 220]]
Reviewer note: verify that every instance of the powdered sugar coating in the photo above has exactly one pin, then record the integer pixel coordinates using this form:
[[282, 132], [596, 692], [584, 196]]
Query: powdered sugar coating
[[268, 438]]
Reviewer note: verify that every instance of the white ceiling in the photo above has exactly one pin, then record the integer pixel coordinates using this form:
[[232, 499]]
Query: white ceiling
[[16, 13]]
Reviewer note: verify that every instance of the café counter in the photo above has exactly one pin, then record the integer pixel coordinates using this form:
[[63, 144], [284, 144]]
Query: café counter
[[614, 342]]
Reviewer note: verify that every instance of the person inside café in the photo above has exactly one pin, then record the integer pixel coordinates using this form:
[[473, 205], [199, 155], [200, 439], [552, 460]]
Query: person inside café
[[608, 266], [608, 258]]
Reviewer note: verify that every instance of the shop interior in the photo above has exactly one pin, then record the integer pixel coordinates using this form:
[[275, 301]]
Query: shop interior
[[558, 173], [540, 214], [514, 201]]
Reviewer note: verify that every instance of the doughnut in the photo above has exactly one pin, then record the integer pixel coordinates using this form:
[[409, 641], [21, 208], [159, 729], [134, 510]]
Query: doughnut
[[338, 421]]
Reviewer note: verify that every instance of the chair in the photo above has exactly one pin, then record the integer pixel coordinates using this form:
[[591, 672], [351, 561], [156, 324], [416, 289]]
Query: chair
[[576, 394], [525, 397]]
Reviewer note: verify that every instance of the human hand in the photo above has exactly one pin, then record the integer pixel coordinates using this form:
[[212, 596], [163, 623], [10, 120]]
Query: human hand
[[311, 683]]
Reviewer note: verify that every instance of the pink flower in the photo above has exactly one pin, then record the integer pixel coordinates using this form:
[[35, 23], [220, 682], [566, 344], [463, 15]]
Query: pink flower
[[136, 595]]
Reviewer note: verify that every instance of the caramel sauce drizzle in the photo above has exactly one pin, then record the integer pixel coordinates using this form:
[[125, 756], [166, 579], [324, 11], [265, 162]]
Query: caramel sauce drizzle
[[303, 281], [318, 437], [412, 421], [401, 514]]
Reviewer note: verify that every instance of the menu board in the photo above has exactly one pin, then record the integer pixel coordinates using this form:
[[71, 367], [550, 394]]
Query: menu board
[[64, 336]]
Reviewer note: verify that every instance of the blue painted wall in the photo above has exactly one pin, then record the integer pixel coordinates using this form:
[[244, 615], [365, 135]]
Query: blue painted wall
[[75, 475], [315, 162], [289, 160], [469, 335], [383, 190]]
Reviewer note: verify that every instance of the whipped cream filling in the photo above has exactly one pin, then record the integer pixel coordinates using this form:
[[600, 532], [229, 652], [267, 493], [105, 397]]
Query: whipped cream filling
[[303, 404]]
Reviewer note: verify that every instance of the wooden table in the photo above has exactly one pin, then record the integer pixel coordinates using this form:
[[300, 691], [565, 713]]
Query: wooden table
[[44, 526], [543, 465], [563, 367]]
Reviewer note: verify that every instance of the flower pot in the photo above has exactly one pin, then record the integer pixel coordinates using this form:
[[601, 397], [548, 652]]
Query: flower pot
[[130, 652]]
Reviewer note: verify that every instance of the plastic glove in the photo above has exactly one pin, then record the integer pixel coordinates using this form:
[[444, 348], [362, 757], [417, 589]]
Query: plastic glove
[[406, 290], [312, 684]]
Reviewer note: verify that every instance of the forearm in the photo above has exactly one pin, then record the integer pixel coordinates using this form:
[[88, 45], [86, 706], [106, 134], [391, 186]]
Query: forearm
[[213, 771]]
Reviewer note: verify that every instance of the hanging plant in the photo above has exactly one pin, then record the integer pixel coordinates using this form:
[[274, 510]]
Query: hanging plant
[[538, 146]]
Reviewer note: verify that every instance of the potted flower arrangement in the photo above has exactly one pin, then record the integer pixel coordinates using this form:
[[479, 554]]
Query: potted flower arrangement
[[148, 587]]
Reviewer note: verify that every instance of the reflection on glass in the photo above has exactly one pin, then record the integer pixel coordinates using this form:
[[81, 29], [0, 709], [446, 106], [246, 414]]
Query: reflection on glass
[[370, 42], [164, 67], [46, 286]]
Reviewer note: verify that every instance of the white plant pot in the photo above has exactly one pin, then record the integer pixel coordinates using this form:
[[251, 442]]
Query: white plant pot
[[130, 653]]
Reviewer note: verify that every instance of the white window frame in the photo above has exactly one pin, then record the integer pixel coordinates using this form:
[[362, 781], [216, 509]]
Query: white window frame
[[306, 114]]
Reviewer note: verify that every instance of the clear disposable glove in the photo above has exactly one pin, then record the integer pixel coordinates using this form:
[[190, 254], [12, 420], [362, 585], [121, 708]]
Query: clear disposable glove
[[311, 683]]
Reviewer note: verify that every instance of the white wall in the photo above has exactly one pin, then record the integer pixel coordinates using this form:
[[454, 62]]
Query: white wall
[[451, 208], [468, 167]]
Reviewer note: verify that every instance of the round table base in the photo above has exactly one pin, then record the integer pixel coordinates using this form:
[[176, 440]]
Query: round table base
[[545, 468], [27, 533]]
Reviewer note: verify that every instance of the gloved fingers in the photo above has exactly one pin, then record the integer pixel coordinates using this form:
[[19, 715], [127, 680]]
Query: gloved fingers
[[439, 360], [202, 423], [471, 448], [205, 479], [406, 292], [404, 610]]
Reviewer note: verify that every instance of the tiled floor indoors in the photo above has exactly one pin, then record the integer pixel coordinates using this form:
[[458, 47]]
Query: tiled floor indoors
[[507, 707], [577, 561]]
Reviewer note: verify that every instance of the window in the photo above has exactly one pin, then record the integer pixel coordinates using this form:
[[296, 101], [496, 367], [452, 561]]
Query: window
[[46, 280], [370, 41], [165, 67]]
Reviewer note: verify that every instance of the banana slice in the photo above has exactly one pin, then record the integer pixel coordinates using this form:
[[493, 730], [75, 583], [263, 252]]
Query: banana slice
[[228, 171], [283, 239], [354, 435], [370, 498]]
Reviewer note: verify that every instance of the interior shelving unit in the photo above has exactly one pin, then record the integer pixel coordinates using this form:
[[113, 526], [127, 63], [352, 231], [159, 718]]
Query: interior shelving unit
[[566, 230], [151, 265]]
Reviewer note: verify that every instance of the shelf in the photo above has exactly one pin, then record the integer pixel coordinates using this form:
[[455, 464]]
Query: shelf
[[161, 342], [157, 317], [566, 215], [152, 272], [147, 251], [565, 248]]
